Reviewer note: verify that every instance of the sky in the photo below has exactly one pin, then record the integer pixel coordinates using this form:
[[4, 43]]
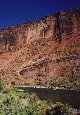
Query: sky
[[19, 11]]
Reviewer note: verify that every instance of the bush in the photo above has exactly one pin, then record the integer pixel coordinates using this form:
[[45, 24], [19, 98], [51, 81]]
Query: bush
[[59, 109], [1, 85]]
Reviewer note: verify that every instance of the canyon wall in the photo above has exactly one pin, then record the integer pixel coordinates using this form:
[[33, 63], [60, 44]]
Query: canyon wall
[[39, 51]]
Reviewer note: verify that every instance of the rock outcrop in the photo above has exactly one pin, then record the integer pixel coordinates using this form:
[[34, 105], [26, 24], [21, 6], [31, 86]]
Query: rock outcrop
[[39, 51]]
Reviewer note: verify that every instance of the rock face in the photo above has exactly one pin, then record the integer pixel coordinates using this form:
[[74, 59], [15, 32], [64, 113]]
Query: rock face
[[39, 51]]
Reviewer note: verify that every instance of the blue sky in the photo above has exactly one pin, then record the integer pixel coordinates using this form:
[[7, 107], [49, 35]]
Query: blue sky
[[19, 11]]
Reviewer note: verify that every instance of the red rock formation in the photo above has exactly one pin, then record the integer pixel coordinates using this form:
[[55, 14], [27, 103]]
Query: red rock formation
[[41, 50]]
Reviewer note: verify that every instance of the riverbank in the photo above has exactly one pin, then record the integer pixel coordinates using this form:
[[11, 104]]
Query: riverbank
[[54, 88]]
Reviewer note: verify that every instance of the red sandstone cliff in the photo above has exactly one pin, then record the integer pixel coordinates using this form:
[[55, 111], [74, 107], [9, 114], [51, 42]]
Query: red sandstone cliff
[[42, 50]]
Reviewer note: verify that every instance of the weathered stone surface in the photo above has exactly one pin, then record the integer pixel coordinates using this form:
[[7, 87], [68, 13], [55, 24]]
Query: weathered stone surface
[[41, 50]]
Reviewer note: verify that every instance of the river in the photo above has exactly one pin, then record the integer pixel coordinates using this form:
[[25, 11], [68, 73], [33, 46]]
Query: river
[[71, 97]]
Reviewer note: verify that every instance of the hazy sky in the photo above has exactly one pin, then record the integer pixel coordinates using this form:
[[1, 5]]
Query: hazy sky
[[19, 11]]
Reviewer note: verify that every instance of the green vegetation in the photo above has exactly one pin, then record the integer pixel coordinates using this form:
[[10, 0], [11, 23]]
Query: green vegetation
[[1, 85], [71, 83], [59, 109], [20, 103]]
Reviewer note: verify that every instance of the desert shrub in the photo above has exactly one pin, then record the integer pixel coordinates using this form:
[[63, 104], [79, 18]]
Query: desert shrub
[[59, 109], [1, 85]]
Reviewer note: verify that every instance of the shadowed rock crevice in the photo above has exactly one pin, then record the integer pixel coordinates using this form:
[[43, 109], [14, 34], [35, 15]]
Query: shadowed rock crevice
[[63, 24]]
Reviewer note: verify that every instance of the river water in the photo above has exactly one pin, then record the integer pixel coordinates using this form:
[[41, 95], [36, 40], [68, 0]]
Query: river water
[[71, 97]]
